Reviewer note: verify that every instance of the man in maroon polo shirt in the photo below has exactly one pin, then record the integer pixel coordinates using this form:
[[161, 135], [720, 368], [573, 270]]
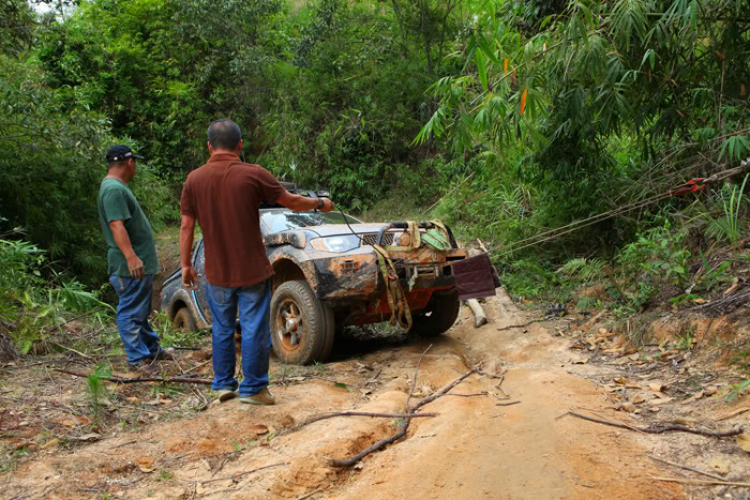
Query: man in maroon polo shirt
[[224, 196]]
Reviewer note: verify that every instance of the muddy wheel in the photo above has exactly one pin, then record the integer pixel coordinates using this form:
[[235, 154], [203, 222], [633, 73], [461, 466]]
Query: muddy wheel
[[302, 329], [184, 321], [438, 316]]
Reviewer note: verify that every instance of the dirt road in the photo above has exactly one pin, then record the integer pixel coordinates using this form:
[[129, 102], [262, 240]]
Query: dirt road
[[472, 449]]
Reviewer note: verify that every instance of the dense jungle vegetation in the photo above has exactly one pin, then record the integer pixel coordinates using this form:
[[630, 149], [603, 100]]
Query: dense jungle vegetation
[[505, 118]]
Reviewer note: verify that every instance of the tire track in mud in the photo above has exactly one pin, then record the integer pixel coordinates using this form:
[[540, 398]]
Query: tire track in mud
[[472, 449], [475, 449]]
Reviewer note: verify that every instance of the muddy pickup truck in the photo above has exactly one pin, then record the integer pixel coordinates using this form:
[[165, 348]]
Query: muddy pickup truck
[[326, 276]]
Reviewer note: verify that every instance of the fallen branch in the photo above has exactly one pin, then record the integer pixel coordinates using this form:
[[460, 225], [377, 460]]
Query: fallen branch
[[72, 350], [236, 478], [324, 416], [308, 495], [414, 380], [196, 367], [685, 467], [120, 380], [657, 429], [521, 326], [697, 482], [509, 403], [500, 378], [409, 410], [348, 462], [442, 392], [733, 413]]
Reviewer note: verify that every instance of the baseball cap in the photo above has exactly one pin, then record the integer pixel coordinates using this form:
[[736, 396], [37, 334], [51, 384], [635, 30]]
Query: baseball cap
[[121, 152]]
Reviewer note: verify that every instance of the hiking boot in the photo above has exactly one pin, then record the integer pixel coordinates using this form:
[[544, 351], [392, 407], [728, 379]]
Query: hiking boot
[[263, 398], [225, 395]]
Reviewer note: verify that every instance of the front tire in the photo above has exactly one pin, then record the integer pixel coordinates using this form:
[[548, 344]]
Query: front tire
[[443, 310], [302, 328]]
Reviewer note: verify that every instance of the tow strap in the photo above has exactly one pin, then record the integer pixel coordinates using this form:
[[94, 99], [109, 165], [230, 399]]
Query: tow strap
[[437, 238], [400, 312]]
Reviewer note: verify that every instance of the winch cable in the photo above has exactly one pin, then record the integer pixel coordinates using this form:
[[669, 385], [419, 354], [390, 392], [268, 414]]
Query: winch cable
[[694, 185], [350, 227], [361, 240]]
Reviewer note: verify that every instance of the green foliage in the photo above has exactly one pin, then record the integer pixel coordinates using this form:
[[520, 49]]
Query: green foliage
[[686, 340], [97, 392], [34, 305], [657, 254], [737, 390], [735, 148], [16, 26], [728, 226], [51, 164], [172, 337], [585, 78], [538, 114], [583, 270]]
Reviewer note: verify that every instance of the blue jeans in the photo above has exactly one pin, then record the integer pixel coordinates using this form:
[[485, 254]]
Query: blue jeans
[[133, 310], [254, 303]]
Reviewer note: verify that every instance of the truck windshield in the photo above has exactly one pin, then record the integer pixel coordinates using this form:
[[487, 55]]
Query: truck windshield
[[274, 221]]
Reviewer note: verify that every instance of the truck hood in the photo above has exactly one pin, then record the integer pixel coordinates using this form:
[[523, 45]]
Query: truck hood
[[342, 229]]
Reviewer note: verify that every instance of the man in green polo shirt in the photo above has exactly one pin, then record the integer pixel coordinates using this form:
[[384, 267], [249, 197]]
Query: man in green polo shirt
[[131, 258]]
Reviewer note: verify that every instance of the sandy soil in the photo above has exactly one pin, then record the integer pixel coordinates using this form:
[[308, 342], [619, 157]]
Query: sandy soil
[[472, 449]]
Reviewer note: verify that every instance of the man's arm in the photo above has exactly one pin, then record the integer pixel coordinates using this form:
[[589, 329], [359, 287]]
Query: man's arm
[[187, 232], [122, 239], [303, 204]]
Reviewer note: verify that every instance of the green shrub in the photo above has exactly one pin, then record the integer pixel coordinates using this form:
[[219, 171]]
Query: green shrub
[[729, 225], [31, 305]]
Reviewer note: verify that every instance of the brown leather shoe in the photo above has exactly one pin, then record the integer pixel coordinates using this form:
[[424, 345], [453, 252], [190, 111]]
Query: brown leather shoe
[[263, 398]]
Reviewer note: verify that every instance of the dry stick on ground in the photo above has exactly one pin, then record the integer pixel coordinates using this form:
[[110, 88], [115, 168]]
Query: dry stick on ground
[[733, 414], [324, 416], [414, 380], [659, 430], [120, 380], [308, 495], [469, 395], [521, 326], [685, 467], [509, 403], [196, 367], [501, 379], [73, 351], [236, 478], [696, 482], [348, 462]]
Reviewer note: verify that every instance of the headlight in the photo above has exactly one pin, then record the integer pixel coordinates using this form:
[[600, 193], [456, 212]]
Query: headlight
[[336, 244]]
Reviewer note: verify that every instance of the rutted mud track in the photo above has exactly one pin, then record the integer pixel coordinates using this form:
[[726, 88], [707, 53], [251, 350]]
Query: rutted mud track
[[472, 449]]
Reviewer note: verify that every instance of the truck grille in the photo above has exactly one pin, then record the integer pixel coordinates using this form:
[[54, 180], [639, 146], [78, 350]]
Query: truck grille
[[371, 238]]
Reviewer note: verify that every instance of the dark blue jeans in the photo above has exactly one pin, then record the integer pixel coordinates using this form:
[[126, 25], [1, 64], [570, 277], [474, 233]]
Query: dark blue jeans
[[253, 303], [133, 310]]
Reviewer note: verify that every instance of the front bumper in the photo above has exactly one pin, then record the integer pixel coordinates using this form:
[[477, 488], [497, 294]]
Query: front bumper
[[357, 277]]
